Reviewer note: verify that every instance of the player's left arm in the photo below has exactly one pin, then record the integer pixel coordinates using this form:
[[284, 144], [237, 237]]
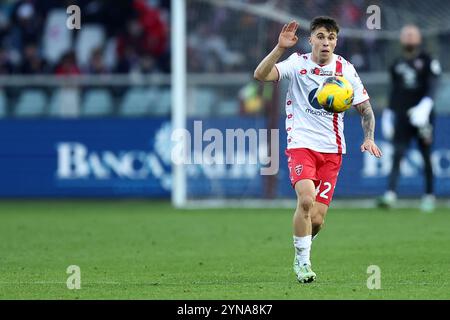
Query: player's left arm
[[419, 115], [368, 125], [434, 72]]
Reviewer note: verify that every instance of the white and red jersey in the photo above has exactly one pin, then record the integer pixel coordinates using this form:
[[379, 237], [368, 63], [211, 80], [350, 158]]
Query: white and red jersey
[[308, 125]]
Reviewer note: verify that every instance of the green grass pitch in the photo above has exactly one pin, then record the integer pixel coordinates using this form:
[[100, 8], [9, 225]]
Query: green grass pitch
[[147, 250]]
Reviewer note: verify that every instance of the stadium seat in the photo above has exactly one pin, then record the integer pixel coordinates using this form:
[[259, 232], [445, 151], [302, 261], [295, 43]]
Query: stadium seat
[[57, 38], [227, 108], [161, 100], [136, 102], [97, 102], [442, 99], [65, 103], [3, 104], [91, 36], [110, 55], [203, 101], [31, 103]]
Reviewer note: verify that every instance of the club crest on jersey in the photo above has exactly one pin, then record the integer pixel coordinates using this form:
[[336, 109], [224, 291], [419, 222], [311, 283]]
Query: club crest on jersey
[[298, 169], [321, 72], [303, 71], [418, 63]]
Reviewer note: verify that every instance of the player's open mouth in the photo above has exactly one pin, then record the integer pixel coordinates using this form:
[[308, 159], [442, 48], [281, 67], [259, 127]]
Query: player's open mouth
[[327, 51]]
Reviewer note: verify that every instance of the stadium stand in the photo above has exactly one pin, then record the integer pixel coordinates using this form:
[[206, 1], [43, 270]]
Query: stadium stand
[[136, 102], [132, 38], [32, 103], [97, 102]]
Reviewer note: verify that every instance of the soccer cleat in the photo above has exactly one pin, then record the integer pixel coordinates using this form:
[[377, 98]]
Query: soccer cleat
[[428, 203], [387, 200], [303, 272]]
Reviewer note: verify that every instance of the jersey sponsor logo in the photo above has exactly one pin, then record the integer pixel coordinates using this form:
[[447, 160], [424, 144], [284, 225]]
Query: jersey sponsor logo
[[320, 72], [315, 104], [313, 100], [322, 113], [408, 74]]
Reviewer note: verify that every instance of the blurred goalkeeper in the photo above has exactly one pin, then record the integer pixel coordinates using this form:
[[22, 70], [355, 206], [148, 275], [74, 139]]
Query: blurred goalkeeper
[[410, 113]]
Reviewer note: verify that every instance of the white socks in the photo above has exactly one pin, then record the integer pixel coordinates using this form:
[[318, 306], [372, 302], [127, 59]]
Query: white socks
[[303, 248]]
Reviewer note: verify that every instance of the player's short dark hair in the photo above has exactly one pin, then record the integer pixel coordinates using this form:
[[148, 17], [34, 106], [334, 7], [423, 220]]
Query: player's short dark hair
[[323, 21]]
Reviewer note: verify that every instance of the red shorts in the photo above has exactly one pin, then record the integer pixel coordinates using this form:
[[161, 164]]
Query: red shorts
[[322, 168]]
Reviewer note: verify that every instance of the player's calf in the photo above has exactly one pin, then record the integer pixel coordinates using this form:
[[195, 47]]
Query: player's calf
[[318, 214], [316, 224], [302, 216]]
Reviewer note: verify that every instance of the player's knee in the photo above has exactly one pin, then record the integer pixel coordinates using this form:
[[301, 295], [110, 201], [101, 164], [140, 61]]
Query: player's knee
[[305, 203]]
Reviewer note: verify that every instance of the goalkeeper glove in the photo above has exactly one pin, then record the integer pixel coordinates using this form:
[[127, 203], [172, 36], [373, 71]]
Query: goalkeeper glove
[[387, 124], [420, 114]]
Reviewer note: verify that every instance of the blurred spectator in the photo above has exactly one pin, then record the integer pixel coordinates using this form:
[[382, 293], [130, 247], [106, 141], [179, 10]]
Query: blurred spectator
[[128, 61], [146, 35], [32, 62], [220, 39], [143, 46], [349, 14], [5, 26], [97, 63], [254, 96], [68, 65], [212, 50], [147, 64], [6, 66], [28, 21], [112, 17], [133, 39], [154, 28]]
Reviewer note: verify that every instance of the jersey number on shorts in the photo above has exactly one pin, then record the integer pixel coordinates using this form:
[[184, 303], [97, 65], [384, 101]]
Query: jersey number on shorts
[[323, 194]]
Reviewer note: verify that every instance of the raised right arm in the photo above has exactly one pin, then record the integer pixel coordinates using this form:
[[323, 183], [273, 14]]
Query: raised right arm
[[266, 70]]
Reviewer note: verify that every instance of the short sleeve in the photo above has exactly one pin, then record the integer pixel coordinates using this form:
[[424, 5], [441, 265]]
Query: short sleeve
[[435, 67], [286, 68], [360, 93]]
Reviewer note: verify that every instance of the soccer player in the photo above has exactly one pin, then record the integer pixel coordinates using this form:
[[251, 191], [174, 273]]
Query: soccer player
[[414, 76], [315, 142]]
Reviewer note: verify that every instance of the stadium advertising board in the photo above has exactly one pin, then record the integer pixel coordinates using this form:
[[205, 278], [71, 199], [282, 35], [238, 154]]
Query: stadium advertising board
[[131, 157], [88, 158]]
